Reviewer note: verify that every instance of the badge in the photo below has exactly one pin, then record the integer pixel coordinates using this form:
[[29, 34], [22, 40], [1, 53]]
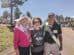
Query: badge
[[55, 31]]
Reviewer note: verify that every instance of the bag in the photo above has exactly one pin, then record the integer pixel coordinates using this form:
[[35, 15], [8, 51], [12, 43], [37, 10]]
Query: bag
[[37, 38], [47, 28]]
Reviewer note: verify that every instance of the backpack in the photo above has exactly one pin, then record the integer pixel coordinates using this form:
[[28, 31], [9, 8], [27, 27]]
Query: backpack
[[37, 38]]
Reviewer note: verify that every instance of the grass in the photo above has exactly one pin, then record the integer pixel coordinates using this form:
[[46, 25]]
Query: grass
[[5, 38]]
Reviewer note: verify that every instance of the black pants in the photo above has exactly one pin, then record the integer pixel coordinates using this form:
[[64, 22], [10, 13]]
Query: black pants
[[37, 53], [24, 50]]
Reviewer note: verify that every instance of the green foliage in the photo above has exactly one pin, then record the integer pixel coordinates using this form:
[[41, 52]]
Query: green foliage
[[17, 13], [29, 14], [5, 14]]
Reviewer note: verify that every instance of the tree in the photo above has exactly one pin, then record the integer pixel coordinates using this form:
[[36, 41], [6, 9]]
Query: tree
[[5, 14], [58, 18], [29, 14], [0, 19], [68, 19], [61, 18], [17, 13]]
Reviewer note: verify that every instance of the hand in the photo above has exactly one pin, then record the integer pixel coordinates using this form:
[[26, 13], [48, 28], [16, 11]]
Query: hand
[[17, 51], [60, 48], [31, 45]]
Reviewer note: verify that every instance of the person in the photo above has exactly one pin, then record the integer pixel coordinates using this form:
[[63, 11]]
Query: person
[[22, 35], [37, 43], [53, 36]]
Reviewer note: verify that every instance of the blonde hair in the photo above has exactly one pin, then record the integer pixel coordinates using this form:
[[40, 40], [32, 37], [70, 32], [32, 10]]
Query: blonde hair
[[19, 21]]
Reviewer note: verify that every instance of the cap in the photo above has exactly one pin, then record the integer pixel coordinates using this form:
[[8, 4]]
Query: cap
[[51, 13]]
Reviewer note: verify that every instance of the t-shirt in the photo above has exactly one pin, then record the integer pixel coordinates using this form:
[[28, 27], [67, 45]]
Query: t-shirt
[[35, 48], [56, 29]]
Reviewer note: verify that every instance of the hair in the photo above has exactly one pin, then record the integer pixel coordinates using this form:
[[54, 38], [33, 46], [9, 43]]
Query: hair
[[37, 19], [22, 18]]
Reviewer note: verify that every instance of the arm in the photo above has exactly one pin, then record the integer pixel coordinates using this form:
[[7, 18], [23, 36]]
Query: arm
[[60, 40], [15, 41], [17, 51], [60, 37]]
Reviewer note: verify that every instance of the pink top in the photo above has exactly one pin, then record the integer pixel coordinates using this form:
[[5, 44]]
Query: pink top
[[20, 39]]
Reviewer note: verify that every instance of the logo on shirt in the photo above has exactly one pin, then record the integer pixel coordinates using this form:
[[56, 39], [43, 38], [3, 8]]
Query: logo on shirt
[[55, 31]]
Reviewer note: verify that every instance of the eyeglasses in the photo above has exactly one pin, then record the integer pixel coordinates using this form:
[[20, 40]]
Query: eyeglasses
[[36, 22]]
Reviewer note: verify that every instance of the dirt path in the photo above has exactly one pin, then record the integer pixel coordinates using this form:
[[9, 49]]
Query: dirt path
[[68, 43]]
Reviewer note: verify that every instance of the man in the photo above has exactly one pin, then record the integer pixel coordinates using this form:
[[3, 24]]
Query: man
[[53, 33]]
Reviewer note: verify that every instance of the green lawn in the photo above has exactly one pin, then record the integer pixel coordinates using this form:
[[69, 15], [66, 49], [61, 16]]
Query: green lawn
[[5, 38]]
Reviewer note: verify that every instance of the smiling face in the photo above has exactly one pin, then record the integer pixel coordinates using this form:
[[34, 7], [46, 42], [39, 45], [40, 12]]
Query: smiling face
[[51, 19], [36, 22], [24, 21]]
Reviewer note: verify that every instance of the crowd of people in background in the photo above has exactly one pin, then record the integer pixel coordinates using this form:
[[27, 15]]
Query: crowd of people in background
[[33, 37]]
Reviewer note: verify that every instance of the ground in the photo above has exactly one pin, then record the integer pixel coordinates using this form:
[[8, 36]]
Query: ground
[[68, 43]]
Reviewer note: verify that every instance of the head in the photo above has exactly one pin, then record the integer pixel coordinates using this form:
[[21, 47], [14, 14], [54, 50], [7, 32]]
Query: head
[[51, 17], [37, 21], [22, 20]]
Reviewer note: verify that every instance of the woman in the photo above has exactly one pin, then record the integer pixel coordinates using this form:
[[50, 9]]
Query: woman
[[22, 36], [53, 36], [37, 37]]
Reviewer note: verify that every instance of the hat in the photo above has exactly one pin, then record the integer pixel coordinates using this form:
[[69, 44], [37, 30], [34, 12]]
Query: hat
[[51, 13]]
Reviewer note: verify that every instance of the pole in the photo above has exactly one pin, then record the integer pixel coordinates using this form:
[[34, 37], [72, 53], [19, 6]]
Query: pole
[[11, 7]]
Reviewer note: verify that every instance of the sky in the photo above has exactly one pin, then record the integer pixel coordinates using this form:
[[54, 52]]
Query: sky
[[41, 8]]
